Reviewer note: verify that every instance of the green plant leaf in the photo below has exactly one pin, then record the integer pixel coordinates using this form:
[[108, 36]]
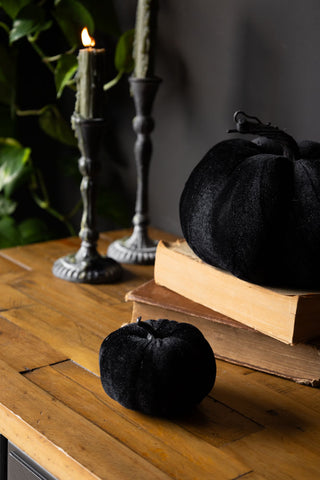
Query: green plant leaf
[[7, 206], [9, 233], [30, 19], [5, 27], [17, 182], [13, 161], [53, 124], [6, 70], [33, 230], [104, 16], [66, 68], [29, 230], [12, 7], [7, 75], [10, 141], [123, 56], [6, 119], [7, 94], [68, 166], [71, 17]]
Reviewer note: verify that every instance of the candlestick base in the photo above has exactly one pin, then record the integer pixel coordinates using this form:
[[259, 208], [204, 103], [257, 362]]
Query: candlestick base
[[137, 249], [93, 270]]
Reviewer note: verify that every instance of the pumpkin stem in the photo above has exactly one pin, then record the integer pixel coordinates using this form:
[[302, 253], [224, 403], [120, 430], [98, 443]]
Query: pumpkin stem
[[151, 331], [248, 124]]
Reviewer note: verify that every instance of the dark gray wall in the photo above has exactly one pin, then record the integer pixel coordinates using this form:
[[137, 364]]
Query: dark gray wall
[[216, 57]]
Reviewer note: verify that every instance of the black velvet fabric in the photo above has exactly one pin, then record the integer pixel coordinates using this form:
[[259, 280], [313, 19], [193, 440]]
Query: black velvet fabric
[[163, 373], [250, 210]]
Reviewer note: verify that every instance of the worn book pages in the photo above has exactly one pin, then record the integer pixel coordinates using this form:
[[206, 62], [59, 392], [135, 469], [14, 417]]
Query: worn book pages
[[288, 315]]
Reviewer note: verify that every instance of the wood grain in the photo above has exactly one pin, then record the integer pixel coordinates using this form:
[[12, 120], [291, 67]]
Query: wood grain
[[291, 432], [61, 440], [10, 298], [24, 351], [63, 333], [251, 426], [153, 439], [10, 270]]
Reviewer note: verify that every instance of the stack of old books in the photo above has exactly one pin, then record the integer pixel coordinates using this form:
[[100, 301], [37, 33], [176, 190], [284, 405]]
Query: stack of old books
[[271, 330]]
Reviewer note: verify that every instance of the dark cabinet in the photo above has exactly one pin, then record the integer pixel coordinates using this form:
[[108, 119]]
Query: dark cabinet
[[3, 457], [17, 465]]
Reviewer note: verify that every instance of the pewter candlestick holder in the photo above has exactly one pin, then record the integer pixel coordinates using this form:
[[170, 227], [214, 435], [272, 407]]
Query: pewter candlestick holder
[[87, 265], [139, 248]]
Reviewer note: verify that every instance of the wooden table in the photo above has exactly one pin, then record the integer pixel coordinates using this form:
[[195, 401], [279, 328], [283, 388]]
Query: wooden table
[[52, 406]]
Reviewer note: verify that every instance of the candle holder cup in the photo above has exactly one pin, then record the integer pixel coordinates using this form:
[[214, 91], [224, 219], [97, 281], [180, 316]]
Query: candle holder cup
[[139, 248], [87, 265]]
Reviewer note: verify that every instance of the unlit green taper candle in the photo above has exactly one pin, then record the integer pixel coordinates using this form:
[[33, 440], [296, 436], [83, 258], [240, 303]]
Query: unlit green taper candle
[[144, 41]]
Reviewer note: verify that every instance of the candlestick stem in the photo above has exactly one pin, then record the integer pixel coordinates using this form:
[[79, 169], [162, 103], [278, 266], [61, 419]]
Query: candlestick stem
[[139, 248], [87, 265]]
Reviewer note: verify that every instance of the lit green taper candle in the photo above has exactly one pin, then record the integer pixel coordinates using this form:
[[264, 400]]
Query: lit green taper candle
[[90, 79]]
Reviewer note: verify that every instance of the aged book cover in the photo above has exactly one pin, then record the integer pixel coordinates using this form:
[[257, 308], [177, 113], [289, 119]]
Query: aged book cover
[[230, 340], [290, 316]]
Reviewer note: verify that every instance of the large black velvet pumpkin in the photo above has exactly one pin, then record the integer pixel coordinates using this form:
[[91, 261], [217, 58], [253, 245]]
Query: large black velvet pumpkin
[[253, 207], [159, 367]]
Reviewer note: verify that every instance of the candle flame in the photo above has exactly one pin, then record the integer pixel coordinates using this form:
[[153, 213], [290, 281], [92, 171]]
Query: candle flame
[[87, 41]]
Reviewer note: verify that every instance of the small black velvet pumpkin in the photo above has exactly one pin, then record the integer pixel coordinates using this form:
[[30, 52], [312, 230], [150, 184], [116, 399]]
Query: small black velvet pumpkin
[[253, 207], [159, 367]]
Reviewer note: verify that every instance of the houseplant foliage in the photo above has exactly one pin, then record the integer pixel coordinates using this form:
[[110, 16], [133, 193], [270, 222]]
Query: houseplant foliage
[[39, 41], [253, 209]]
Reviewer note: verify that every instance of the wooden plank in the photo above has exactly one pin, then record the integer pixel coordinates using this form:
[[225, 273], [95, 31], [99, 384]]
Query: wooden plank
[[89, 305], [252, 476], [63, 296], [133, 275], [253, 426], [48, 250], [24, 351], [9, 270], [77, 334], [11, 263], [29, 255], [212, 421], [45, 288], [254, 394], [290, 425], [308, 397], [186, 456], [12, 298], [7, 266], [63, 333], [153, 233], [61, 440], [217, 423], [11, 277], [73, 338], [276, 456]]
